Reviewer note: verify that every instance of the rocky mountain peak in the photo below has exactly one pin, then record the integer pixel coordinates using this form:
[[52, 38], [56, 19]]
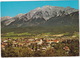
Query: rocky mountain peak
[[49, 11], [5, 18], [40, 14], [19, 15]]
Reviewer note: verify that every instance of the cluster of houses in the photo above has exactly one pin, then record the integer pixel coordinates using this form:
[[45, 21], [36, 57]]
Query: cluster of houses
[[40, 43]]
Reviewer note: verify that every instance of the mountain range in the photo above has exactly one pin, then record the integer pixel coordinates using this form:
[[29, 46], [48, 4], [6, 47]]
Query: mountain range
[[46, 16]]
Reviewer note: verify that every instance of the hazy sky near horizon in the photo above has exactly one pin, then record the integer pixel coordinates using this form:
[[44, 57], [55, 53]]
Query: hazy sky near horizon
[[14, 8]]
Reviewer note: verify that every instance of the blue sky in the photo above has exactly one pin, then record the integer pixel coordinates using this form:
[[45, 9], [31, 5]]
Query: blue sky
[[14, 8]]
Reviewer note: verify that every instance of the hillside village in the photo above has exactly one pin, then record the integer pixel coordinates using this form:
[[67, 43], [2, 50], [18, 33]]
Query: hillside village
[[26, 42], [39, 44]]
